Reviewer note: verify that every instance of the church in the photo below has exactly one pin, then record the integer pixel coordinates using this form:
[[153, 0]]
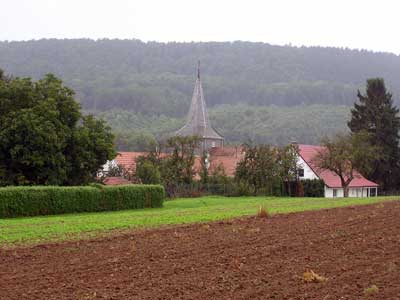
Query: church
[[198, 124]]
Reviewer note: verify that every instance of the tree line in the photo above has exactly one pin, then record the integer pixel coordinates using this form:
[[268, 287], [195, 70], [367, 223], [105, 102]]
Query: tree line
[[269, 94], [237, 123], [157, 78]]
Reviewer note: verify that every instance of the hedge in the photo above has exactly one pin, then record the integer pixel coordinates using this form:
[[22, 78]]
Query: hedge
[[49, 200]]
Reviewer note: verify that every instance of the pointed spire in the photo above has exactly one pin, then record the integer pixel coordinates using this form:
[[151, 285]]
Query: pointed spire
[[198, 122]]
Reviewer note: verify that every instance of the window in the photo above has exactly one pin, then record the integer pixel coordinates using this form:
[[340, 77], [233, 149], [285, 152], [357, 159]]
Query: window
[[334, 192], [301, 172]]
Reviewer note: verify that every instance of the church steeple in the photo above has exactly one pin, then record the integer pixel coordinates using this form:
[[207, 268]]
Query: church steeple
[[198, 122]]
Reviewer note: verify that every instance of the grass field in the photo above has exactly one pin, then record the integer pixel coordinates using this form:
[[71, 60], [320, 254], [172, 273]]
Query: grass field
[[34, 230]]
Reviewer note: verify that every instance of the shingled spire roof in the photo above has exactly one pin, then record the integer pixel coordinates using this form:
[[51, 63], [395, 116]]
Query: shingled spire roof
[[198, 122]]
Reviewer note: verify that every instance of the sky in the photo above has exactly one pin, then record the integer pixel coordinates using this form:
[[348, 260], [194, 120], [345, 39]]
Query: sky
[[372, 25]]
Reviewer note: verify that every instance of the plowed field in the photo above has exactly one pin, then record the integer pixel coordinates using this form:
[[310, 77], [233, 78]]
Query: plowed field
[[357, 249]]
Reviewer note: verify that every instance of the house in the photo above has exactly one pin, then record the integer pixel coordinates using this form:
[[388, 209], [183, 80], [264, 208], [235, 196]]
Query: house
[[358, 187]]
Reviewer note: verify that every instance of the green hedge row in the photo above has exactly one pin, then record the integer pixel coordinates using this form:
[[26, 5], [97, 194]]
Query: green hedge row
[[49, 200]]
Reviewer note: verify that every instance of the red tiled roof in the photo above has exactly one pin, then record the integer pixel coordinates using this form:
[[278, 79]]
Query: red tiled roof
[[228, 157], [307, 152], [116, 181], [128, 159]]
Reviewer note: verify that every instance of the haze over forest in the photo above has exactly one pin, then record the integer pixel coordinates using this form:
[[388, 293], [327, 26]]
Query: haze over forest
[[254, 91]]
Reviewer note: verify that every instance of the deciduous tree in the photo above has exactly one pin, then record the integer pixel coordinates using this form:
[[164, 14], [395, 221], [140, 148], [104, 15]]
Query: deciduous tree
[[44, 139], [345, 154]]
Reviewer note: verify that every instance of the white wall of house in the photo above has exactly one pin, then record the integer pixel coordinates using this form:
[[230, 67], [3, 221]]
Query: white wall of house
[[353, 192], [106, 167], [329, 192], [308, 172]]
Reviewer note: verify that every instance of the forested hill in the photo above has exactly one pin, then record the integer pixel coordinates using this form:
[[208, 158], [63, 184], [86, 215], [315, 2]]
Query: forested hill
[[255, 91], [157, 78]]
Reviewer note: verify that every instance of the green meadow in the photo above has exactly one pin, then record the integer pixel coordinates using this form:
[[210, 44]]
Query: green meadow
[[36, 230]]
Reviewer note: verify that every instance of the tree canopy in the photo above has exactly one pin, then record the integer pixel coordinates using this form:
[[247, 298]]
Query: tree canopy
[[376, 114], [267, 168], [157, 78], [44, 138], [345, 154]]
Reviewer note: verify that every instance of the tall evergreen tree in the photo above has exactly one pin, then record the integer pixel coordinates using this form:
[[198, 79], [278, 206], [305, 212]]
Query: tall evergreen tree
[[376, 114]]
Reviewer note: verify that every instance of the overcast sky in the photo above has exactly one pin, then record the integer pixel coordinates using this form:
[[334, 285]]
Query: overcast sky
[[360, 24]]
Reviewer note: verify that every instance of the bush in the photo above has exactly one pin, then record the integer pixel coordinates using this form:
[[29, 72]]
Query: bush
[[40, 200], [313, 187]]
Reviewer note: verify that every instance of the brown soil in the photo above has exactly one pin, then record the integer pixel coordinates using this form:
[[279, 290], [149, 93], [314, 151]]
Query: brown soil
[[353, 248]]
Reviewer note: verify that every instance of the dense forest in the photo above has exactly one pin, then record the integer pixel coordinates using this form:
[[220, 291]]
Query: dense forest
[[239, 123], [254, 91]]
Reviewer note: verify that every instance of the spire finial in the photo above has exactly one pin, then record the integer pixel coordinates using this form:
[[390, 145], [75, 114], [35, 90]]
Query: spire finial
[[198, 69]]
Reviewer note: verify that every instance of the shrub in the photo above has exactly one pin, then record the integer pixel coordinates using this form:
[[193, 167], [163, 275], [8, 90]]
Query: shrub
[[148, 173], [41, 200], [313, 187]]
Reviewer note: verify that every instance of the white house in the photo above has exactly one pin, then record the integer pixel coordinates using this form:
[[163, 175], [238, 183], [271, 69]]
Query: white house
[[358, 187]]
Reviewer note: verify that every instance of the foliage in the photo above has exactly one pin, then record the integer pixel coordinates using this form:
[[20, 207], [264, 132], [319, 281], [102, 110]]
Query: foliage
[[237, 123], [258, 167], [218, 176], [173, 169], [157, 78], [117, 170], [40, 200], [44, 139], [376, 114], [265, 168], [346, 153], [287, 164], [178, 167], [148, 173], [31, 230], [270, 94], [91, 146], [312, 187]]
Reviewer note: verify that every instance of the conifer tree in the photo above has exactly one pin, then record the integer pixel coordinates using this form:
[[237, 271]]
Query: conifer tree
[[376, 114]]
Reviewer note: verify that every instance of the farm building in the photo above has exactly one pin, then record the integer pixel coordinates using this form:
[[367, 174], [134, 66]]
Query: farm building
[[359, 186]]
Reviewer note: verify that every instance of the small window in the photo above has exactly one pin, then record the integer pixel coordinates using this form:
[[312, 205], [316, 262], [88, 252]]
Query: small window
[[334, 192], [301, 172]]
